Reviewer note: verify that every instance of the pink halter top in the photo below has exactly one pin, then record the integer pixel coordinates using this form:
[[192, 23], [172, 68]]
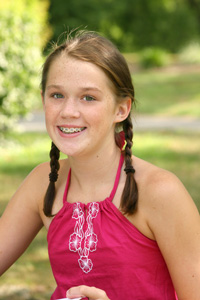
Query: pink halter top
[[94, 244]]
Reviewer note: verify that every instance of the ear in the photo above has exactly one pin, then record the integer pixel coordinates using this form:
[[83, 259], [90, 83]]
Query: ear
[[123, 110], [42, 96]]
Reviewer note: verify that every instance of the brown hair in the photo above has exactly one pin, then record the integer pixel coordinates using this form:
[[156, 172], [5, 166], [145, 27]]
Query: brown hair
[[91, 47]]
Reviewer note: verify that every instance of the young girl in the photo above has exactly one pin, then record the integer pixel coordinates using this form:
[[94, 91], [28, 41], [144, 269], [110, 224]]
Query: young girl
[[118, 227]]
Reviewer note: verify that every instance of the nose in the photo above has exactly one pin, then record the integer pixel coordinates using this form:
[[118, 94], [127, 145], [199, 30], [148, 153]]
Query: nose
[[70, 109]]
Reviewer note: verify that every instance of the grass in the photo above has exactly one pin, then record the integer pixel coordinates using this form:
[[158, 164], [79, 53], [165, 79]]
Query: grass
[[168, 93], [30, 277]]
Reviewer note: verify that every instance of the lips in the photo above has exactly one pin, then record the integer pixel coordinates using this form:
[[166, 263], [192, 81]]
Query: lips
[[70, 130]]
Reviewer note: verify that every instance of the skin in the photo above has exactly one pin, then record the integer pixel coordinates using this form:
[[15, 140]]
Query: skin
[[78, 94]]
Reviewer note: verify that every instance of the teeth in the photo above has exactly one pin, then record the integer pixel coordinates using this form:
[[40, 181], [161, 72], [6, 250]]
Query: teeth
[[71, 130]]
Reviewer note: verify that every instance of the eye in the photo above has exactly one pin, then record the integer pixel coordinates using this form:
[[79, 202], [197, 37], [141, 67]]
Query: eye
[[57, 96], [88, 98]]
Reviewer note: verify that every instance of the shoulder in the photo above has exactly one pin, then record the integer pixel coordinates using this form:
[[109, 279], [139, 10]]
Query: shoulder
[[163, 198], [162, 195], [40, 174], [156, 185], [160, 185], [35, 184], [39, 171], [37, 179]]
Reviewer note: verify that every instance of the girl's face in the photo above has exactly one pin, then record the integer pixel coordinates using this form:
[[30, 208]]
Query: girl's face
[[80, 107]]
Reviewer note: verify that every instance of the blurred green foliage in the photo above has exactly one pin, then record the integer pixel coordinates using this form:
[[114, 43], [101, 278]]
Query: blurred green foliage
[[21, 24], [154, 57], [131, 24]]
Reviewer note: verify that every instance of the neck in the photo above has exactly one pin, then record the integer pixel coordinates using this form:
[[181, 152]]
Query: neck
[[97, 169]]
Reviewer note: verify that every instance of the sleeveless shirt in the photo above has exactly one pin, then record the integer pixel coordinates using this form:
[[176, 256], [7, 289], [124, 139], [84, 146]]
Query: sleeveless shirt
[[94, 244]]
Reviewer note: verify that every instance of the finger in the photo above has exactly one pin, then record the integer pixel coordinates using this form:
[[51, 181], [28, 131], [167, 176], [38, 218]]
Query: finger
[[85, 291], [75, 292]]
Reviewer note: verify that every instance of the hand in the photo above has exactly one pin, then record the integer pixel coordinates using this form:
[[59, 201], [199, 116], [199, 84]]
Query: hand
[[85, 291]]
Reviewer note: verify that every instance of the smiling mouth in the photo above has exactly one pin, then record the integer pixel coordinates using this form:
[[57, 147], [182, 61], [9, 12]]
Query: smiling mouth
[[71, 130]]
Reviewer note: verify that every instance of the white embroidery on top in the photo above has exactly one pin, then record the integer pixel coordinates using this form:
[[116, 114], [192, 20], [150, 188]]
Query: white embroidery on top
[[90, 238]]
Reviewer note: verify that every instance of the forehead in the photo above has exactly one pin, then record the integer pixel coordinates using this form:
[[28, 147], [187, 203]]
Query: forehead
[[66, 69]]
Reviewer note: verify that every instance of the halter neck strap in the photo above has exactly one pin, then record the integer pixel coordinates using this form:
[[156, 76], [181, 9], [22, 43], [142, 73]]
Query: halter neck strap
[[112, 194]]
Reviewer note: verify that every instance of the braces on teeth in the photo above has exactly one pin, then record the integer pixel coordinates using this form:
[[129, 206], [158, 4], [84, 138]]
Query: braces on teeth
[[71, 130]]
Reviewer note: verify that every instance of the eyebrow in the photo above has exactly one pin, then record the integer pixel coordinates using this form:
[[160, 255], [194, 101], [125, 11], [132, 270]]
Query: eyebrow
[[53, 86], [85, 89], [91, 89]]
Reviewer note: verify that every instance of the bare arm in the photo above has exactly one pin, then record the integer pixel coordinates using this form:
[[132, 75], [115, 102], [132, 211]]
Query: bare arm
[[21, 220], [175, 223]]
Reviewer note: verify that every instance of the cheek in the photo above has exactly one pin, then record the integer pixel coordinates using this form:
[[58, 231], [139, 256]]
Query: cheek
[[97, 116], [102, 120], [50, 110]]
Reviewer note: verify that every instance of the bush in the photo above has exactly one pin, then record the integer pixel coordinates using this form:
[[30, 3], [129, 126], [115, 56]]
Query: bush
[[20, 62], [154, 57]]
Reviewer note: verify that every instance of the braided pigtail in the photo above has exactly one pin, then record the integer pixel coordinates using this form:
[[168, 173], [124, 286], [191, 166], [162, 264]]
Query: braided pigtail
[[130, 192], [53, 176]]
